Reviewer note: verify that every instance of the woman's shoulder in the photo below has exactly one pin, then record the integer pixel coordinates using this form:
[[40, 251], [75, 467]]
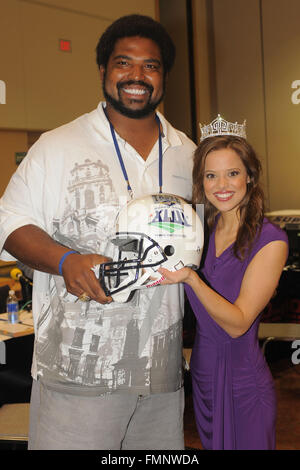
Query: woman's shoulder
[[271, 232], [268, 233]]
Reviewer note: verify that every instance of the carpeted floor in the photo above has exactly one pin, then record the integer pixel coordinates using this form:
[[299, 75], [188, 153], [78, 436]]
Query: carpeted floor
[[287, 381]]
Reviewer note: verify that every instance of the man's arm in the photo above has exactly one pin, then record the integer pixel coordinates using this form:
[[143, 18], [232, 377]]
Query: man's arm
[[35, 248]]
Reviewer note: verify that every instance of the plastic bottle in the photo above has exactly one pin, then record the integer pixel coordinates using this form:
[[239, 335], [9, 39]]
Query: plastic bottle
[[12, 307]]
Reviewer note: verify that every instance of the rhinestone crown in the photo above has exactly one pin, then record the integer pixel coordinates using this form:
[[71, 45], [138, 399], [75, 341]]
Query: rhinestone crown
[[220, 126]]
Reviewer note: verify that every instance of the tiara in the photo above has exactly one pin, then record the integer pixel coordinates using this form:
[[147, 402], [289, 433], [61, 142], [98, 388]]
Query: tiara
[[221, 127]]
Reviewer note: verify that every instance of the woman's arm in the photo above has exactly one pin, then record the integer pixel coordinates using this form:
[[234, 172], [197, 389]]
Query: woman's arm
[[259, 282]]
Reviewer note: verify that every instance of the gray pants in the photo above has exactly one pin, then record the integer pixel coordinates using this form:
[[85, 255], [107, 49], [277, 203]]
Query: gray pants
[[117, 421]]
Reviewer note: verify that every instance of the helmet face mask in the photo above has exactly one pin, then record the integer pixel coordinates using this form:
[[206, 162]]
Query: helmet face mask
[[145, 252], [153, 231]]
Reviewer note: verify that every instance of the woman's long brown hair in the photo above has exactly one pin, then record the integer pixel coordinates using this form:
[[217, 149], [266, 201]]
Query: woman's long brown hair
[[252, 206]]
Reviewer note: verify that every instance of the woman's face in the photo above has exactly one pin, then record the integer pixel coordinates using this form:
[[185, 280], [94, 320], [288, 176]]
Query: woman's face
[[225, 179]]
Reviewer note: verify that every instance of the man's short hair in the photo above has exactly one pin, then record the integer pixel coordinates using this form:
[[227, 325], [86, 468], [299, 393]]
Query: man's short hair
[[136, 25]]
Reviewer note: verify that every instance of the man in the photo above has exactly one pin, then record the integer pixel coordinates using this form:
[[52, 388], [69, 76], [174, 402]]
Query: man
[[106, 375]]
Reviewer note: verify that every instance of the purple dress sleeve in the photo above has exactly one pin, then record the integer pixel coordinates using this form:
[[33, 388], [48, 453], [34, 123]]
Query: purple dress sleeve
[[269, 233]]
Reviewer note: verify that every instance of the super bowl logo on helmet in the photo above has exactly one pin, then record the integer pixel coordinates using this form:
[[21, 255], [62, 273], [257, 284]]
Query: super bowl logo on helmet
[[169, 219], [152, 231]]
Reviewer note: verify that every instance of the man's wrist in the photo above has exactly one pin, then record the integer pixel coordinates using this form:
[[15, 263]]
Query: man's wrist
[[62, 260]]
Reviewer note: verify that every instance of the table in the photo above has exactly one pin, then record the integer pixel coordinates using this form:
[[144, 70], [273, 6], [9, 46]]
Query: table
[[16, 350], [8, 330], [16, 342], [24, 327]]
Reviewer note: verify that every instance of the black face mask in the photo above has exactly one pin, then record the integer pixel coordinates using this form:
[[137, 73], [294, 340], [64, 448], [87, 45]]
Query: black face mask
[[131, 113]]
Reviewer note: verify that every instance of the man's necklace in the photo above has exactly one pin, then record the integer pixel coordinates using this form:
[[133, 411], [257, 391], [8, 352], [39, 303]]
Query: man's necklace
[[117, 148]]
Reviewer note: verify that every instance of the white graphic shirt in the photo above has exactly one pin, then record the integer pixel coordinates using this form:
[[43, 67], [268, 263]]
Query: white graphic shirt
[[71, 185]]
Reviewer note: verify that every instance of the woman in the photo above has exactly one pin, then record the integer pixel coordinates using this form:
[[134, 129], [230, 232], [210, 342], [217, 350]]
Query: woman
[[233, 390]]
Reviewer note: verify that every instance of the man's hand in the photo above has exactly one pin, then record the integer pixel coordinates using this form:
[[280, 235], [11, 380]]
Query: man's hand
[[80, 278], [35, 248]]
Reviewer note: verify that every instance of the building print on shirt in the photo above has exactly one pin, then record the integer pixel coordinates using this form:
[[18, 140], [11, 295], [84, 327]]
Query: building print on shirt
[[111, 347], [91, 207]]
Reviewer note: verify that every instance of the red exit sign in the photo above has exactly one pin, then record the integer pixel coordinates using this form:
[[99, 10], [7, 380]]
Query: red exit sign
[[65, 45]]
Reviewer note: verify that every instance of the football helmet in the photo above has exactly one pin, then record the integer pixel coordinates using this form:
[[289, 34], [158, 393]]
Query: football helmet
[[152, 231]]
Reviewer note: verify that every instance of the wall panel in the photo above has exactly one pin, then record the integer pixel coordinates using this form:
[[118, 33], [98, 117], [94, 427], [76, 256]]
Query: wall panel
[[177, 100], [204, 63], [12, 114], [59, 86], [282, 67], [47, 87], [100, 8], [239, 69], [10, 143], [44, 86]]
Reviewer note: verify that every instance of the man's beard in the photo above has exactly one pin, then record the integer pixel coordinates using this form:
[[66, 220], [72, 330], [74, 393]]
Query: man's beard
[[149, 107]]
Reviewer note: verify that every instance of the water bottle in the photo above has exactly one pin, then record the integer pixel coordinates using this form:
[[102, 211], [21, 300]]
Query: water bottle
[[12, 307]]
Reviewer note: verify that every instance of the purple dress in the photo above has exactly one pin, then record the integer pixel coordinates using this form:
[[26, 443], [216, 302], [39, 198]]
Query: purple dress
[[233, 389]]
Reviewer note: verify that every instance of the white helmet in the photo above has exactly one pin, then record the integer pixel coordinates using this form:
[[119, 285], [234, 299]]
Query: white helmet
[[152, 231]]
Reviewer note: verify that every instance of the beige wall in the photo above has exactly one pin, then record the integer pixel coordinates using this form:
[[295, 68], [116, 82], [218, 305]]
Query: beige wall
[[12, 114], [251, 61], [101, 8], [10, 143], [44, 86]]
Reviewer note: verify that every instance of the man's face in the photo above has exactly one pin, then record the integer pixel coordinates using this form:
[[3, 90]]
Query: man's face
[[133, 81]]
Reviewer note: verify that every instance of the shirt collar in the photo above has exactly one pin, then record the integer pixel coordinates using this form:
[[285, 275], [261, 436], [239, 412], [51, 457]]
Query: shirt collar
[[170, 135]]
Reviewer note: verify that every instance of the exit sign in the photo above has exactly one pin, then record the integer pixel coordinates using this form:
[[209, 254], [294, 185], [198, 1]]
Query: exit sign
[[65, 45]]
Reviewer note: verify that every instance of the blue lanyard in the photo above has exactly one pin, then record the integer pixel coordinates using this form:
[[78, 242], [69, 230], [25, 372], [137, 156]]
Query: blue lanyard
[[117, 148]]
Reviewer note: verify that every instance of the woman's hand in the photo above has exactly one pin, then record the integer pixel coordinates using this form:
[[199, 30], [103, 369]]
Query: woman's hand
[[174, 277]]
